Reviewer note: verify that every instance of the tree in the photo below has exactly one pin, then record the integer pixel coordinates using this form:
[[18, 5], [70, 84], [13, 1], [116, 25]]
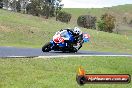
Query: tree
[[58, 8], [6, 3], [15, 5], [43, 7], [107, 23], [47, 8], [1, 4], [34, 7], [51, 8], [18, 6]]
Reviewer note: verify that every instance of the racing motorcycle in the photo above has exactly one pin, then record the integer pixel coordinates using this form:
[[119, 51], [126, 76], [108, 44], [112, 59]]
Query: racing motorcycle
[[64, 41]]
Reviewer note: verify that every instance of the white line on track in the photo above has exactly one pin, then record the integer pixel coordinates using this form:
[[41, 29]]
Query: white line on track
[[82, 56], [58, 56]]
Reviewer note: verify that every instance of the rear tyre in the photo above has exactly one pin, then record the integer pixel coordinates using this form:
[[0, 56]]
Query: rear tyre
[[47, 47]]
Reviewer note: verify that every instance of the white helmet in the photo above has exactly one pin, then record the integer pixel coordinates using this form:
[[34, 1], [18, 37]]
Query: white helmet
[[77, 30]]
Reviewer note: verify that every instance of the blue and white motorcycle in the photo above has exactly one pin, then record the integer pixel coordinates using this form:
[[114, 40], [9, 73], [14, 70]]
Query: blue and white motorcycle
[[64, 41]]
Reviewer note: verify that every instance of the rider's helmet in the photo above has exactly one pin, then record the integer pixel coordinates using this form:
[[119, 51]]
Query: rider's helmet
[[77, 31]]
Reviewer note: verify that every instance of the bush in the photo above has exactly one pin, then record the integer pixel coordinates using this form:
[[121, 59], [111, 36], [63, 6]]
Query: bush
[[125, 20], [130, 22], [101, 25], [64, 17], [107, 23], [86, 21]]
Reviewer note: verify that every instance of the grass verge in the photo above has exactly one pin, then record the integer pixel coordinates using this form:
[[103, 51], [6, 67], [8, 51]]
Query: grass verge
[[60, 72]]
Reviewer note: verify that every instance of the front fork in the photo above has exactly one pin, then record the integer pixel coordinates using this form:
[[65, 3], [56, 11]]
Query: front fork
[[78, 45]]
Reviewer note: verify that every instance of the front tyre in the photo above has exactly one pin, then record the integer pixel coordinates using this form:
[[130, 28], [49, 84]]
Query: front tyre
[[47, 47], [73, 50]]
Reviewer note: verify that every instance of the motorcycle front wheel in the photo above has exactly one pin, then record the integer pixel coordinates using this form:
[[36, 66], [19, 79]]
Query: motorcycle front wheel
[[73, 50], [47, 47]]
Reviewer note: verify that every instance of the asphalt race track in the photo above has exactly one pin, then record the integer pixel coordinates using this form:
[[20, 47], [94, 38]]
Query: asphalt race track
[[33, 52]]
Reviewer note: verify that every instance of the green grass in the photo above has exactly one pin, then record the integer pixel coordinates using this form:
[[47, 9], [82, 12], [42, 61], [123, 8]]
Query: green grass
[[26, 30], [60, 72], [117, 11], [21, 30]]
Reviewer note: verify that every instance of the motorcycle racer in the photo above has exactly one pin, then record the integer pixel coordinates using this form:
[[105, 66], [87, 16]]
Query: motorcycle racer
[[77, 34]]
